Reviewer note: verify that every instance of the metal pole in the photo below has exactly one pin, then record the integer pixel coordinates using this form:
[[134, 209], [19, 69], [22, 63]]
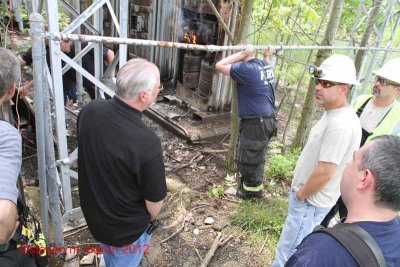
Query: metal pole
[[98, 55], [36, 26], [356, 25], [15, 8], [40, 6], [157, 32], [123, 23], [52, 183], [153, 28], [212, 48], [227, 93], [79, 80], [56, 72]]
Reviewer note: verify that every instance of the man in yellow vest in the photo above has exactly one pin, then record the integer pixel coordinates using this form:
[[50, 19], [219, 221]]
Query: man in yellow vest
[[379, 114]]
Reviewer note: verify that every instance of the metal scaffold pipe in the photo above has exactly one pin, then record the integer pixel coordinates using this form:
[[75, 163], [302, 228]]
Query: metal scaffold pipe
[[211, 48], [36, 26]]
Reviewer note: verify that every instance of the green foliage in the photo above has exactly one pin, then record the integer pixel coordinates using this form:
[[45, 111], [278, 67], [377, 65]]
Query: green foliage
[[216, 191], [275, 13], [254, 217], [63, 18], [281, 166], [275, 144]]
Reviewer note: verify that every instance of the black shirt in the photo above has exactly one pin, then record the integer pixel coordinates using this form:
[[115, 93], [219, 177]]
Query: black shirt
[[120, 165]]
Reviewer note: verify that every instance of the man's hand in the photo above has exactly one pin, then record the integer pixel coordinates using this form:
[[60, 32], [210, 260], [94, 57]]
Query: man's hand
[[299, 196], [269, 51], [224, 66], [23, 91], [249, 50], [153, 208], [321, 175]]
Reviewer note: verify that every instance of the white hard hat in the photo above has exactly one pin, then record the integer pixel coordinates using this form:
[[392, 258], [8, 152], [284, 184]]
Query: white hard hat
[[390, 70], [339, 68]]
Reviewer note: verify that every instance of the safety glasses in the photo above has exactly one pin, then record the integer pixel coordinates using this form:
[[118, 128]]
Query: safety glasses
[[324, 83], [385, 82]]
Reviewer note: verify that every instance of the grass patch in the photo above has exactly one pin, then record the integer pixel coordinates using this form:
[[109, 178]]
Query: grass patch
[[261, 220]]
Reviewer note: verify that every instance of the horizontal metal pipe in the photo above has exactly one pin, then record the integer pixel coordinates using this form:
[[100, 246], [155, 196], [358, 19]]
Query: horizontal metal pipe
[[213, 48]]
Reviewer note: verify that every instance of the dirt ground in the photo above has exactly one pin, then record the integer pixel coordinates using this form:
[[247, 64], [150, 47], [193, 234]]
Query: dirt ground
[[183, 238], [191, 171]]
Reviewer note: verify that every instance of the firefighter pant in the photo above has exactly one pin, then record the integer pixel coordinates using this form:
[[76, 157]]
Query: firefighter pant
[[254, 134]]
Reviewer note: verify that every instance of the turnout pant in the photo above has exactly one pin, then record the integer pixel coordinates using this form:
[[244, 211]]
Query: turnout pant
[[254, 134]]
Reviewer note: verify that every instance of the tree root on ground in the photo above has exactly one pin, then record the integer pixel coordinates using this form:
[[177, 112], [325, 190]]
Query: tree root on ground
[[218, 242]]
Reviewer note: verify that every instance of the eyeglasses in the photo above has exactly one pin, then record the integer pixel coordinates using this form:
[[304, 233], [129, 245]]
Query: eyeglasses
[[324, 83], [385, 82]]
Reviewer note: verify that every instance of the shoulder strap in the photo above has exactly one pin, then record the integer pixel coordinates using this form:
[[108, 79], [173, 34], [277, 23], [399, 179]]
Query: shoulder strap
[[361, 109], [361, 246]]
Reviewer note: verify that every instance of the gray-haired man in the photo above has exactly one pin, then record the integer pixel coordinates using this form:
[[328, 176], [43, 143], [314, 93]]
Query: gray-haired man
[[10, 149], [10, 166], [121, 170]]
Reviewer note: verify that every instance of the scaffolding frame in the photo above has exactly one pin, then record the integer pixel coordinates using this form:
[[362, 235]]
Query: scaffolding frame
[[46, 157]]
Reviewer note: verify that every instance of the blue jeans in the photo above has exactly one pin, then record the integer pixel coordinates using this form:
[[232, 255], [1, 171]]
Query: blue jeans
[[129, 255], [72, 94], [301, 220]]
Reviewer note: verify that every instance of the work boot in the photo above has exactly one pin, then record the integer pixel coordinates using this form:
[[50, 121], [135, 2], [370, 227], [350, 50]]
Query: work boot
[[244, 194]]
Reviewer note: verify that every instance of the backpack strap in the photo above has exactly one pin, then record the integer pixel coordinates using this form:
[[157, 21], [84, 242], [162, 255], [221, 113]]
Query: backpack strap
[[361, 246], [361, 109]]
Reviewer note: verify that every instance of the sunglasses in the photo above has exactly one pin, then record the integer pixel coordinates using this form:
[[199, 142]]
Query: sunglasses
[[385, 82], [324, 83]]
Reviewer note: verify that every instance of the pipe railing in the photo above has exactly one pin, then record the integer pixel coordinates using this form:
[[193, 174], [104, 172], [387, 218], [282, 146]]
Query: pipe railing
[[211, 48]]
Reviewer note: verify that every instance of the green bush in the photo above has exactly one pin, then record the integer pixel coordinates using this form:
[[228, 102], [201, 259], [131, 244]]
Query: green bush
[[281, 166]]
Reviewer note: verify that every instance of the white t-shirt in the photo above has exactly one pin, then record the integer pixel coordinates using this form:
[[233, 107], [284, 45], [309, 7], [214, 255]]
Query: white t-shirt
[[372, 115], [333, 139]]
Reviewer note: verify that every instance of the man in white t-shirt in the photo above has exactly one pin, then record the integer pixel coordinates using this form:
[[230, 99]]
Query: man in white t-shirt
[[379, 115], [331, 144]]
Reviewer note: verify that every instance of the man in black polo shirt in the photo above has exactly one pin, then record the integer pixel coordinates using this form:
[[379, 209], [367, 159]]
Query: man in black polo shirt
[[121, 170]]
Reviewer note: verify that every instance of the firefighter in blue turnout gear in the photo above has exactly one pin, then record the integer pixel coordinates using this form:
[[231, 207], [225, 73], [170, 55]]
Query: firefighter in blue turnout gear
[[256, 104]]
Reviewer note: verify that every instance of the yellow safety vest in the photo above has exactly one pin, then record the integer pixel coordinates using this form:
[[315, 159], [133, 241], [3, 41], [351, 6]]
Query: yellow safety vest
[[390, 123]]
